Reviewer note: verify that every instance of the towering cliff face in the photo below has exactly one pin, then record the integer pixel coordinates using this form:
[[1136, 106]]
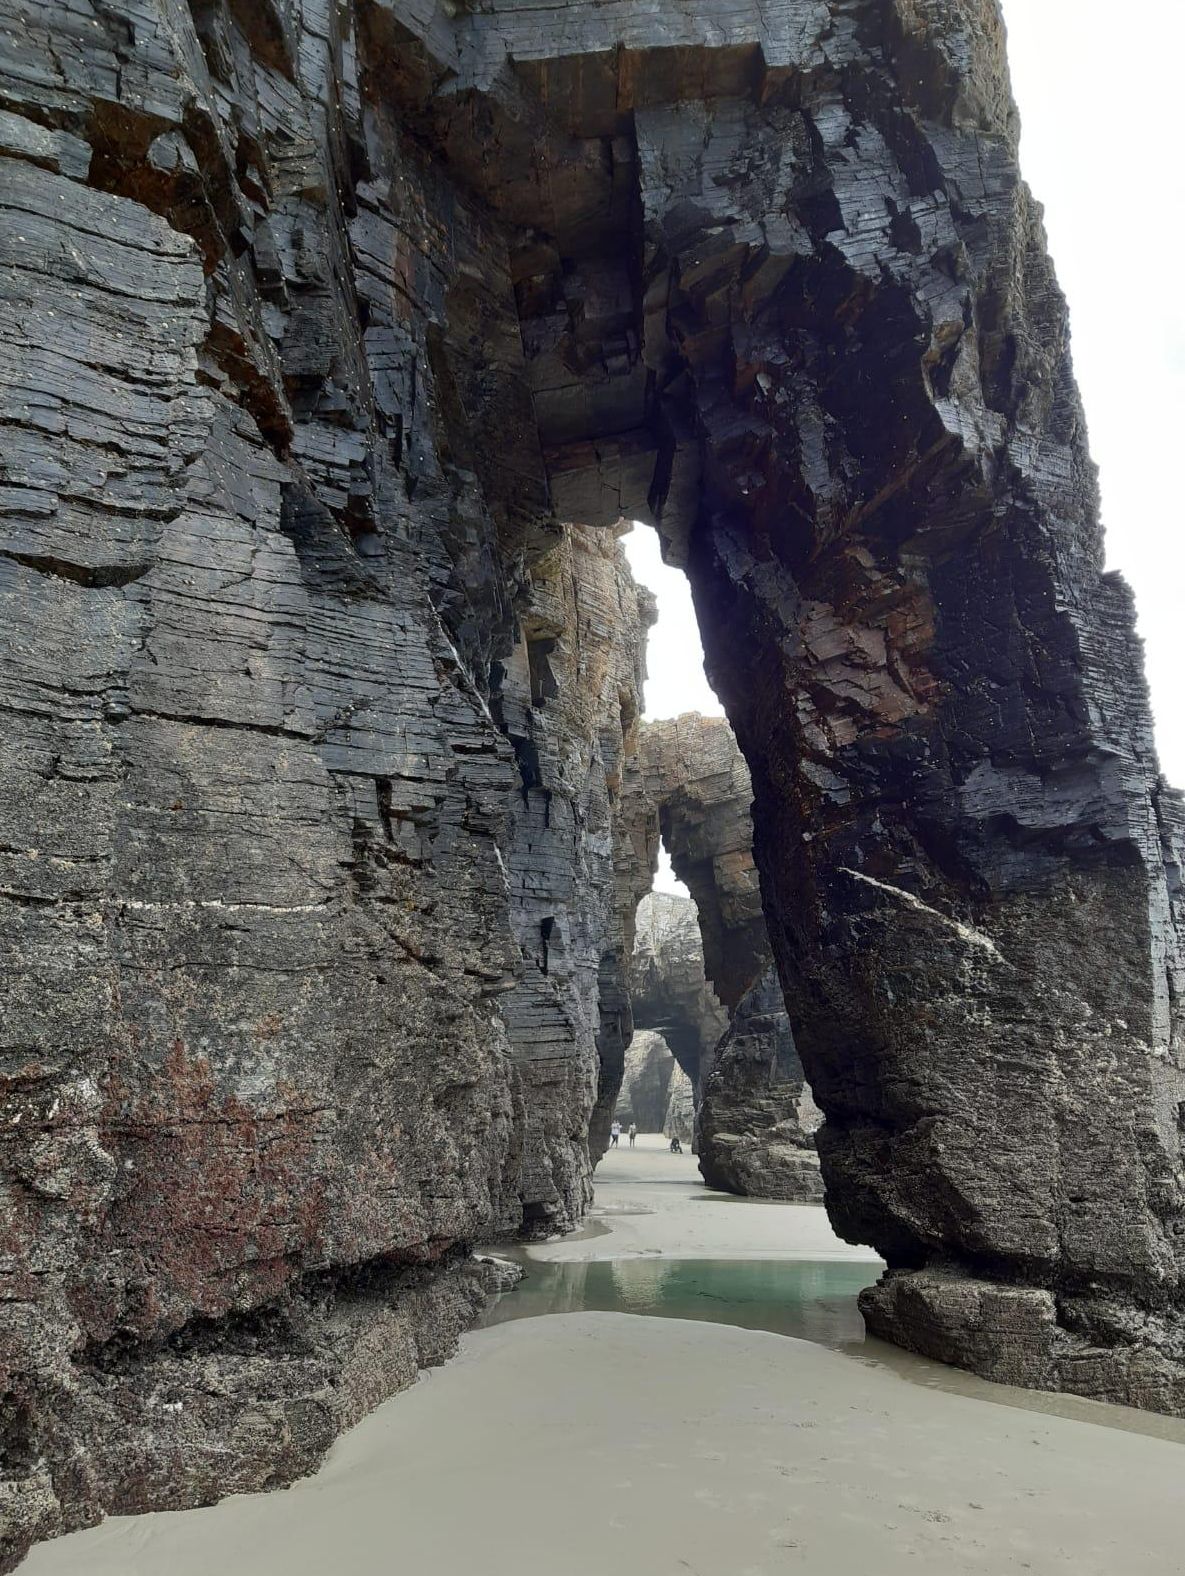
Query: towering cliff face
[[568, 698], [970, 865], [315, 728], [314, 320]]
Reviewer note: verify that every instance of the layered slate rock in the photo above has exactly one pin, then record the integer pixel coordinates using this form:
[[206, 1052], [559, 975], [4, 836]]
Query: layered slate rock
[[645, 1096], [669, 989], [969, 861], [757, 1118], [315, 320], [839, 375], [310, 892], [679, 1121], [568, 698], [751, 1092], [697, 781]]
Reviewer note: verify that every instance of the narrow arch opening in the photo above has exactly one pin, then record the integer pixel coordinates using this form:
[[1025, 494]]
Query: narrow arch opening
[[711, 1059]]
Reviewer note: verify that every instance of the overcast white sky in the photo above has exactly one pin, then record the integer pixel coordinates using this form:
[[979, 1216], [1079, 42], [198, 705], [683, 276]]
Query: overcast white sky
[[1104, 150]]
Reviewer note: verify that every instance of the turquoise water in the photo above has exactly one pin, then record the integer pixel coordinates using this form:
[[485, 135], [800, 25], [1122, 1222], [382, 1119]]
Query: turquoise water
[[812, 1299]]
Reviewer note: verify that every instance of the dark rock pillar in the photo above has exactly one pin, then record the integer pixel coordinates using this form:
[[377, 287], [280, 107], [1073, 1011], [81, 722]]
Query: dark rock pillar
[[750, 1088], [967, 856]]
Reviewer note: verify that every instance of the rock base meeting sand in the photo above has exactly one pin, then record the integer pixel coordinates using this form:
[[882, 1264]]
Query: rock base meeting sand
[[586, 1443]]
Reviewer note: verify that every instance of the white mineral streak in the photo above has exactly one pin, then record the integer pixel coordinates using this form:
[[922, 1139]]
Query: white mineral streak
[[973, 938]]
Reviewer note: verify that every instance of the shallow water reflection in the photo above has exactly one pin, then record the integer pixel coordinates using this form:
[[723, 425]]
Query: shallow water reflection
[[812, 1299]]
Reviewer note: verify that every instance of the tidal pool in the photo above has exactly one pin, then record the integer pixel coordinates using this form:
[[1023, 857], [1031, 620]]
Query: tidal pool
[[812, 1299]]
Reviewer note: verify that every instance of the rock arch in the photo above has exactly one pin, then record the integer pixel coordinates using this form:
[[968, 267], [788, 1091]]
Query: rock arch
[[318, 320], [798, 301]]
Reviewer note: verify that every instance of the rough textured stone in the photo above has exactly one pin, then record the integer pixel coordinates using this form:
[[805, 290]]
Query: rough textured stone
[[646, 1084], [696, 778], [568, 699], [668, 986], [315, 726], [679, 1121], [757, 1119], [314, 319], [750, 1089]]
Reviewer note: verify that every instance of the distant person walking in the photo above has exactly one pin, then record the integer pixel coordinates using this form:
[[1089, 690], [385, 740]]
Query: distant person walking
[[633, 1134], [676, 1146], [614, 1135]]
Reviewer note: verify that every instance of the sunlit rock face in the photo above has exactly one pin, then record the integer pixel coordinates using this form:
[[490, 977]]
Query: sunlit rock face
[[316, 320]]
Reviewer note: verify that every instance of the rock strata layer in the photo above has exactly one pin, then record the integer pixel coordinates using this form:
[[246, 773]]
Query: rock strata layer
[[750, 1088], [316, 728], [679, 1121], [669, 989], [315, 867], [646, 1085], [756, 1116]]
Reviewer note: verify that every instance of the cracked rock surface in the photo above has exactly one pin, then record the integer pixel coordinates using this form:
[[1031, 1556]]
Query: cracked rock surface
[[756, 1118], [323, 818], [668, 986], [316, 723]]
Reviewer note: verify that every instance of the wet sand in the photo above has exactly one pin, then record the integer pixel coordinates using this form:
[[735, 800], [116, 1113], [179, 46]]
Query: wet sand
[[654, 1202], [586, 1443]]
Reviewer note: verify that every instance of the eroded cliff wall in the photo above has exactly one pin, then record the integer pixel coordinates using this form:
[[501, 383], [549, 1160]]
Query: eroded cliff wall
[[756, 1117], [315, 725], [315, 318], [669, 988]]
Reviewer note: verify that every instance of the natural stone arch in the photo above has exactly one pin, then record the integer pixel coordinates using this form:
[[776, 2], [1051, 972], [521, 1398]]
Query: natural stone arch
[[670, 988], [322, 318], [834, 364]]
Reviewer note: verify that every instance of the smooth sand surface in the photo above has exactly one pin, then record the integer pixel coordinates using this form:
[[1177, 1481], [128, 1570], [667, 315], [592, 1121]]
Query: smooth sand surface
[[656, 1202], [599, 1442], [591, 1443]]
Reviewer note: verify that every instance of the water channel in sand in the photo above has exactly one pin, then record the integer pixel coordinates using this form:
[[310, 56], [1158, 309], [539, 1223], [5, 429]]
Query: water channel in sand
[[814, 1300], [649, 1206]]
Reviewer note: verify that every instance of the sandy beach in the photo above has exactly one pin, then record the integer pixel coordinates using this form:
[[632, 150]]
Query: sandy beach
[[652, 1202], [576, 1444]]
